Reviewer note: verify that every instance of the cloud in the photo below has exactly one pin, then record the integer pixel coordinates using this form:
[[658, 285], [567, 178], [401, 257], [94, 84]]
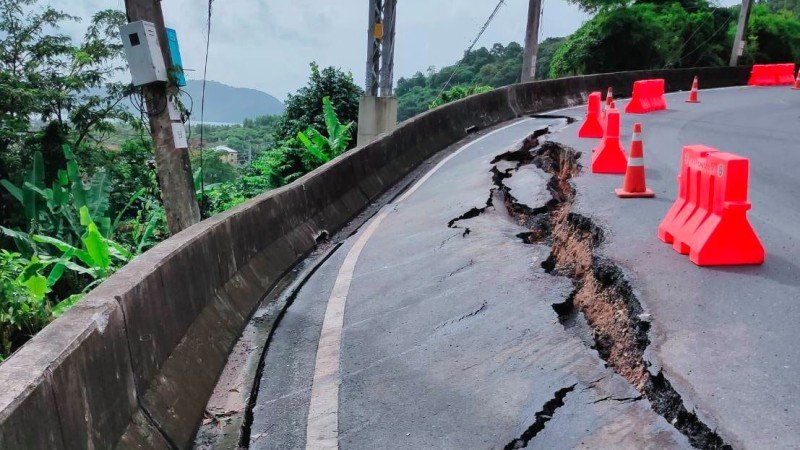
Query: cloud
[[268, 45]]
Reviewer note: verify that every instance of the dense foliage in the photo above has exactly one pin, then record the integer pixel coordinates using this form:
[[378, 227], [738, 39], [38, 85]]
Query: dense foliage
[[304, 108], [499, 66], [457, 93], [317, 125], [655, 35]]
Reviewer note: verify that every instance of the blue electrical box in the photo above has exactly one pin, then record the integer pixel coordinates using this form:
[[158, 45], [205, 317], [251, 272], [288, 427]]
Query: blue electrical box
[[175, 54]]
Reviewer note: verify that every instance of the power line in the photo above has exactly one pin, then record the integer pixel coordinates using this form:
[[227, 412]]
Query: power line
[[474, 41], [713, 35], [203, 103], [696, 30]]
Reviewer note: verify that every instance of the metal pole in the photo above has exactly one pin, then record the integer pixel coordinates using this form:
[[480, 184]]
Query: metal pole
[[531, 41], [172, 163], [387, 48], [741, 33]]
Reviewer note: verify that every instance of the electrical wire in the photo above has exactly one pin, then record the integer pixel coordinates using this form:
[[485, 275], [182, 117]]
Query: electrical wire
[[474, 41], [188, 117], [689, 39], [713, 35], [203, 103]]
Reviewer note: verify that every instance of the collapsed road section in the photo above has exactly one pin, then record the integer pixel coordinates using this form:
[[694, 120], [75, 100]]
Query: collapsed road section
[[616, 322]]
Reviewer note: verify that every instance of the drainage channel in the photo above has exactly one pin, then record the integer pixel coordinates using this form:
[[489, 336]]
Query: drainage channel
[[602, 309]]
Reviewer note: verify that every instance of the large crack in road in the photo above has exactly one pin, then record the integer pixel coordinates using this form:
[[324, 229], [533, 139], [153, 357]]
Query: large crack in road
[[602, 309]]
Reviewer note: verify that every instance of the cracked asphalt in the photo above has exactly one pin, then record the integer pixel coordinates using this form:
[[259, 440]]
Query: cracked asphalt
[[449, 337], [726, 338]]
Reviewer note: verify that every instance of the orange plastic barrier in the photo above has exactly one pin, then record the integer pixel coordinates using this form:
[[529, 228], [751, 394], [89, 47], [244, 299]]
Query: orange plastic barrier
[[648, 96], [709, 218], [592, 126], [771, 75], [609, 156]]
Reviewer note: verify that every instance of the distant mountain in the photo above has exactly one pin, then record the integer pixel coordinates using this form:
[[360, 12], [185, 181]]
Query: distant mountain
[[229, 104]]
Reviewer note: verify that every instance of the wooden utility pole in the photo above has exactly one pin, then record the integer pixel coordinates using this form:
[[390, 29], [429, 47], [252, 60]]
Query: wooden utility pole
[[531, 41], [741, 33], [172, 163]]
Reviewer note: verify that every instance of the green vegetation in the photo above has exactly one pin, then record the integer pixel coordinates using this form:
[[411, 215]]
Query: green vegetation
[[499, 66], [78, 191], [317, 125], [457, 93], [655, 35]]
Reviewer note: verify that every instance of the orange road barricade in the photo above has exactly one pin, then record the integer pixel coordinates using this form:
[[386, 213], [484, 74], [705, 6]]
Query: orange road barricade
[[708, 220], [772, 75], [592, 126], [648, 96], [609, 156]]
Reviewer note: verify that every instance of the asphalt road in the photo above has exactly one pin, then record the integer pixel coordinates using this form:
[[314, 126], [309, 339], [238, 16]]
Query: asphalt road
[[726, 337], [415, 334]]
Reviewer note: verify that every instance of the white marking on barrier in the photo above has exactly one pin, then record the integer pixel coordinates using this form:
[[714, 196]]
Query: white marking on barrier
[[322, 430], [636, 136], [635, 162]]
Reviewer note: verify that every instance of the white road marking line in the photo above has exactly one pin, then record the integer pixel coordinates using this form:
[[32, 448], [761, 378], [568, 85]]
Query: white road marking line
[[322, 431], [449, 157]]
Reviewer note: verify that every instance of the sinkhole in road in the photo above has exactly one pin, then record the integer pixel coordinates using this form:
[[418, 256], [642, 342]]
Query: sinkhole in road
[[602, 308]]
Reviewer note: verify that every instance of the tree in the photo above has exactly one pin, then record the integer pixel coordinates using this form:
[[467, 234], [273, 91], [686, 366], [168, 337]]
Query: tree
[[304, 108], [646, 36], [457, 93], [670, 34], [773, 37], [46, 76], [498, 66]]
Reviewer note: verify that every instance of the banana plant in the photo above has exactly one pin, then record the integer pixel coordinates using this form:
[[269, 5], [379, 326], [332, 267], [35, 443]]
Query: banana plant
[[95, 257], [54, 211], [325, 148]]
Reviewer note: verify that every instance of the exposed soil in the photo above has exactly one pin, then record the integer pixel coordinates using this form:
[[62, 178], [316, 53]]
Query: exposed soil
[[602, 294]]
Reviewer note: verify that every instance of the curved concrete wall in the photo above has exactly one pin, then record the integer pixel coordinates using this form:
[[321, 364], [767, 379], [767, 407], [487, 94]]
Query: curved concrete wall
[[133, 364]]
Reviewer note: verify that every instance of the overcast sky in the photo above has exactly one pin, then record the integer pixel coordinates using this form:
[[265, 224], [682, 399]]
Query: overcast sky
[[268, 44]]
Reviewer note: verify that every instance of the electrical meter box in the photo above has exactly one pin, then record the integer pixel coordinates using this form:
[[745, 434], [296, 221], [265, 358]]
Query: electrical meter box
[[140, 40]]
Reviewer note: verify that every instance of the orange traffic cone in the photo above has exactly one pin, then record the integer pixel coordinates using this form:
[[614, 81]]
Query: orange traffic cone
[[634, 185], [797, 81], [609, 103], [693, 94]]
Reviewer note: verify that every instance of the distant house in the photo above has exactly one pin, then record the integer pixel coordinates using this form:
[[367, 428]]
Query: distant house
[[227, 154]]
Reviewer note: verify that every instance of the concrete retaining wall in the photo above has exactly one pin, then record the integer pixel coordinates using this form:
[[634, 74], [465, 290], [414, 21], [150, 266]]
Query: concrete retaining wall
[[133, 365]]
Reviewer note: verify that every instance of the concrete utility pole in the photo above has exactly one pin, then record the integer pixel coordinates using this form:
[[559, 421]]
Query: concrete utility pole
[[387, 49], [172, 162], [741, 33], [531, 41], [377, 110], [374, 36]]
